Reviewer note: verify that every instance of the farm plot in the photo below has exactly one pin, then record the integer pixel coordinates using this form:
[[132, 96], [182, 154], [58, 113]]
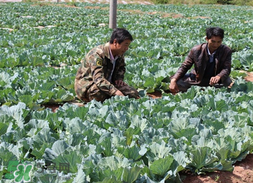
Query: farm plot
[[121, 140]]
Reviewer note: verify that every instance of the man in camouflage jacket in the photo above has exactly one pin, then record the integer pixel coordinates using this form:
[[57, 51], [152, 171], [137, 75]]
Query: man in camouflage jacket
[[102, 72], [212, 64]]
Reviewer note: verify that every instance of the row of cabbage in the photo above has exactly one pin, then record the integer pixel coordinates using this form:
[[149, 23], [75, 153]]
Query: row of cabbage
[[127, 140], [121, 140], [46, 35], [37, 86]]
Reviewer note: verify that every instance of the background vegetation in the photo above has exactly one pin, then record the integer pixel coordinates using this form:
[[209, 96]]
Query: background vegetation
[[231, 2], [122, 139], [177, 2]]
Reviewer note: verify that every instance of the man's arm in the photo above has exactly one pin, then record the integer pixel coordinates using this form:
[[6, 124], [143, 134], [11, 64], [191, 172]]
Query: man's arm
[[226, 67], [173, 86], [186, 65], [97, 72], [119, 93], [120, 69], [214, 80], [226, 63]]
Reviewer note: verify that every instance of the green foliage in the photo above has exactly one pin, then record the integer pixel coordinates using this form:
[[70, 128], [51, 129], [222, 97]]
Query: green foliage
[[191, 2], [204, 132], [224, 1], [160, 1], [122, 139]]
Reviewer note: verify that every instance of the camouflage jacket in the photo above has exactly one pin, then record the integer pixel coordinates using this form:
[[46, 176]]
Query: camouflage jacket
[[199, 57], [96, 69]]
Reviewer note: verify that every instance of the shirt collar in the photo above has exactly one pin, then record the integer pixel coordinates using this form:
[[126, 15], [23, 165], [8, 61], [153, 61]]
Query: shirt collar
[[209, 51], [111, 56], [107, 49], [108, 52]]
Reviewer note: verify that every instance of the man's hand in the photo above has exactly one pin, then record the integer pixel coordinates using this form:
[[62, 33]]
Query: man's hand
[[173, 86], [214, 80], [119, 93], [120, 83]]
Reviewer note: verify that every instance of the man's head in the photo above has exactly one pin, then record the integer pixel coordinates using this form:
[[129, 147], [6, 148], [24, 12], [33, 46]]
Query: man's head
[[214, 31], [214, 37], [120, 41], [120, 35]]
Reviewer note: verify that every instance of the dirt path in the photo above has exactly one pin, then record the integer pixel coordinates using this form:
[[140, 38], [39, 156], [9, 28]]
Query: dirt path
[[242, 173]]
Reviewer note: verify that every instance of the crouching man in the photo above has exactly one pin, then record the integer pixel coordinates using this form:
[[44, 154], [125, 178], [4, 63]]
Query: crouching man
[[212, 64], [101, 74]]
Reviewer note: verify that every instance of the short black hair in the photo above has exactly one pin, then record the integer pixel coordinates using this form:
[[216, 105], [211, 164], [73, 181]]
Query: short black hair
[[214, 31], [120, 34]]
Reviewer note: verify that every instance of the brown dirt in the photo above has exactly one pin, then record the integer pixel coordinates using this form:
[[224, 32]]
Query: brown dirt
[[156, 94], [242, 173], [249, 76]]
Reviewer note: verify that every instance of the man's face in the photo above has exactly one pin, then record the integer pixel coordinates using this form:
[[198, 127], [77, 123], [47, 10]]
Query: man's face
[[121, 48], [214, 43]]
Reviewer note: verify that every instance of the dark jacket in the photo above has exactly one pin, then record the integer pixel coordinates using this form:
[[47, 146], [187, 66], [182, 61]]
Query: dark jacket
[[198, 56]]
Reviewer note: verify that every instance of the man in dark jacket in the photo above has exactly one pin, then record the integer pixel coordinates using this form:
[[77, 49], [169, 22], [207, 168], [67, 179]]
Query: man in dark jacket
[[102, 72], [212, 64]]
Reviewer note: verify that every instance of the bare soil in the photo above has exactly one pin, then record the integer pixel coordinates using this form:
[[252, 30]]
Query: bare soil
[[242, 173]]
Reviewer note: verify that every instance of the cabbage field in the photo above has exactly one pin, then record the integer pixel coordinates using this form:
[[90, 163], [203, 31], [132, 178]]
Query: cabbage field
[[120, 140]]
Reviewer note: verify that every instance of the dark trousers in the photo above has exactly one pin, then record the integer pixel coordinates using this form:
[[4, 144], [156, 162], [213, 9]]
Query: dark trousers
[[188, 80]]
